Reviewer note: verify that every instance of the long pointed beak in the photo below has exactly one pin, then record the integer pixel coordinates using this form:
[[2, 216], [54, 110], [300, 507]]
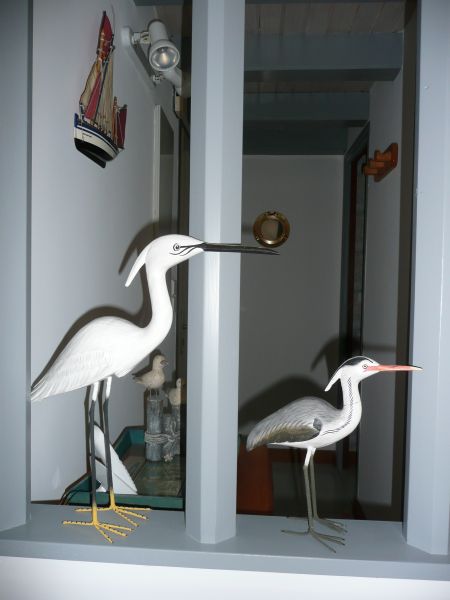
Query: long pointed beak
[[206, 247], [393, 368]]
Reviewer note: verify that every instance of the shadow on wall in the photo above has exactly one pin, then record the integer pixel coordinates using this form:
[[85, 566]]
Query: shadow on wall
[[140, 318], [334, 348], [274, 397], [292, 388], [330, 351]]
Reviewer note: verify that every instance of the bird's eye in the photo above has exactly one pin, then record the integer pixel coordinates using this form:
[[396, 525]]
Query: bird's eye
[[176, 247], [364, 366]]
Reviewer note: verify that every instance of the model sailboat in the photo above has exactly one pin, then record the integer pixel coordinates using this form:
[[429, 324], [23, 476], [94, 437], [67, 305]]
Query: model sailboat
[[99, 129]]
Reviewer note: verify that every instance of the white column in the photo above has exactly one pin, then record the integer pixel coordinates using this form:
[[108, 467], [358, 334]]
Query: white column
[[215, 216], [428, 473]]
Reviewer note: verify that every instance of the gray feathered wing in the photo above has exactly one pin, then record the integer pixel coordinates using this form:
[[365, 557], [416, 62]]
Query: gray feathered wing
[[295, 422]]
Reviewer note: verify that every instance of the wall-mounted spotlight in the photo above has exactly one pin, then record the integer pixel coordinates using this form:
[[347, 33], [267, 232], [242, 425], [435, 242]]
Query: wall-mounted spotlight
[[163, 55]]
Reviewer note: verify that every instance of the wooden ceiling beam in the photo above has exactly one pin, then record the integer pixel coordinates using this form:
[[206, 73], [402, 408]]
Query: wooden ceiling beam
[[281, 138], [367, 57], [350, 107]]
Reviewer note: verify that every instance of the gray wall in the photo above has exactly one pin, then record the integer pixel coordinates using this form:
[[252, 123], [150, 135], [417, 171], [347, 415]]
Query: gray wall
[[84, 222], [290, 309], [14, 259], [376, 446]]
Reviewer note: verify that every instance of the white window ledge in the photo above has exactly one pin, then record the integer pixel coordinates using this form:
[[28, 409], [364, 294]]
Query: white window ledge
[[373, 548]]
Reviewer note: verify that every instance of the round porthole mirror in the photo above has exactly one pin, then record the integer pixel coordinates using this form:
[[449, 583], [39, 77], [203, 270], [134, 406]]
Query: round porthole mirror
[[271, 229]]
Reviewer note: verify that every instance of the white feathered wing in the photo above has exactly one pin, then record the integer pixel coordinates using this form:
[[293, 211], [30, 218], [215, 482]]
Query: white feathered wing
[[122, 482]]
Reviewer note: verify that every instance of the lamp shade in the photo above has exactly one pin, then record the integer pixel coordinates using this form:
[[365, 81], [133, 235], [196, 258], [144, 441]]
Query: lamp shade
[[163, 54]]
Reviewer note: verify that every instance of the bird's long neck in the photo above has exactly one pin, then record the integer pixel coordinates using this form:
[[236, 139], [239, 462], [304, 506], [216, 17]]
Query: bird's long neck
[[162, 312], [351, 408]]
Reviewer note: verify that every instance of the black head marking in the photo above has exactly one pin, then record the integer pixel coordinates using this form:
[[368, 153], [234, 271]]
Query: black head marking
[[178, 250], [350, 362]]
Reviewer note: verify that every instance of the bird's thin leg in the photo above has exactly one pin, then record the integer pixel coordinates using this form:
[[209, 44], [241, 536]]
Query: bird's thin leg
[[123, 511], [102, 528], [331, 524], [308, 458], [106, 435], [320, 537]]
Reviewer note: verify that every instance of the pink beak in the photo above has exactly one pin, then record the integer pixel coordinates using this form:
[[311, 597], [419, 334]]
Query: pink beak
[[393, 368]]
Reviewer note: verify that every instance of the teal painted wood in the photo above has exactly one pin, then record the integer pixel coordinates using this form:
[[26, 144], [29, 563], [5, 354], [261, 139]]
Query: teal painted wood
[[82, 497], [129, 436]]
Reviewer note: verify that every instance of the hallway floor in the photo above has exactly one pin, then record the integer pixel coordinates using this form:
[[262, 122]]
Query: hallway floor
[[336, 489]]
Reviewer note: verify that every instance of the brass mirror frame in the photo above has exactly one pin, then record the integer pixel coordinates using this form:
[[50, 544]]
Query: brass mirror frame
[[271, 216]]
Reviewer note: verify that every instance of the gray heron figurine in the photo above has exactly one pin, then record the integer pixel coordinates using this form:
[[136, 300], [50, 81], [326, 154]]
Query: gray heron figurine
[[110, 345], [313, 423]]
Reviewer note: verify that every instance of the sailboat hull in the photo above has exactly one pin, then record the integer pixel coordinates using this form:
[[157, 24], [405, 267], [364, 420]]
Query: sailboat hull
[[93, 143]]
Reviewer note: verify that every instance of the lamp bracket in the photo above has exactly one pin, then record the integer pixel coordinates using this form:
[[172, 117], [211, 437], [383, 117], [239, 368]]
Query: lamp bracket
[[140, 38], [157, 78]]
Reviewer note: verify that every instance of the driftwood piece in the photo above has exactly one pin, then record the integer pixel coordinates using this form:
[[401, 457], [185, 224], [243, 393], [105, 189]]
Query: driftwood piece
[[163, 425], [153, 437]]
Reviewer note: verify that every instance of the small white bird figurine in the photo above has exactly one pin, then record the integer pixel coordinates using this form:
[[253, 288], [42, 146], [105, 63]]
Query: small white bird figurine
[[109, 346], [175, 393], [312, 423], [153, 380]]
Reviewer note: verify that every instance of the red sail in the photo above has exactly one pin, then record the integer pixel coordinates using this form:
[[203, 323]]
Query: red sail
[[91, 108], [121, 119], [105, 38]]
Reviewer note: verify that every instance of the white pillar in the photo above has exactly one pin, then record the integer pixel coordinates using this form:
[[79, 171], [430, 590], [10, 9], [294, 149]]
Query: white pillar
[[215, 216], [428, 474]]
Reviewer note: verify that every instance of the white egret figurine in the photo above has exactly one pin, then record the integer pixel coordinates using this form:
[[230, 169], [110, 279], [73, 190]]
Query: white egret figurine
[[312, 423], [109, 346]]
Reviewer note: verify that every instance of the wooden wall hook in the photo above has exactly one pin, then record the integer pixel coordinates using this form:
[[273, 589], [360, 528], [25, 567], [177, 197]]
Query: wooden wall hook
[[382, 163]]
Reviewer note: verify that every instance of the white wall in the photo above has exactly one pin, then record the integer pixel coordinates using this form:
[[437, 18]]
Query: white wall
[[51, 579], [380, 301], [84, 220], [290, 308]]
